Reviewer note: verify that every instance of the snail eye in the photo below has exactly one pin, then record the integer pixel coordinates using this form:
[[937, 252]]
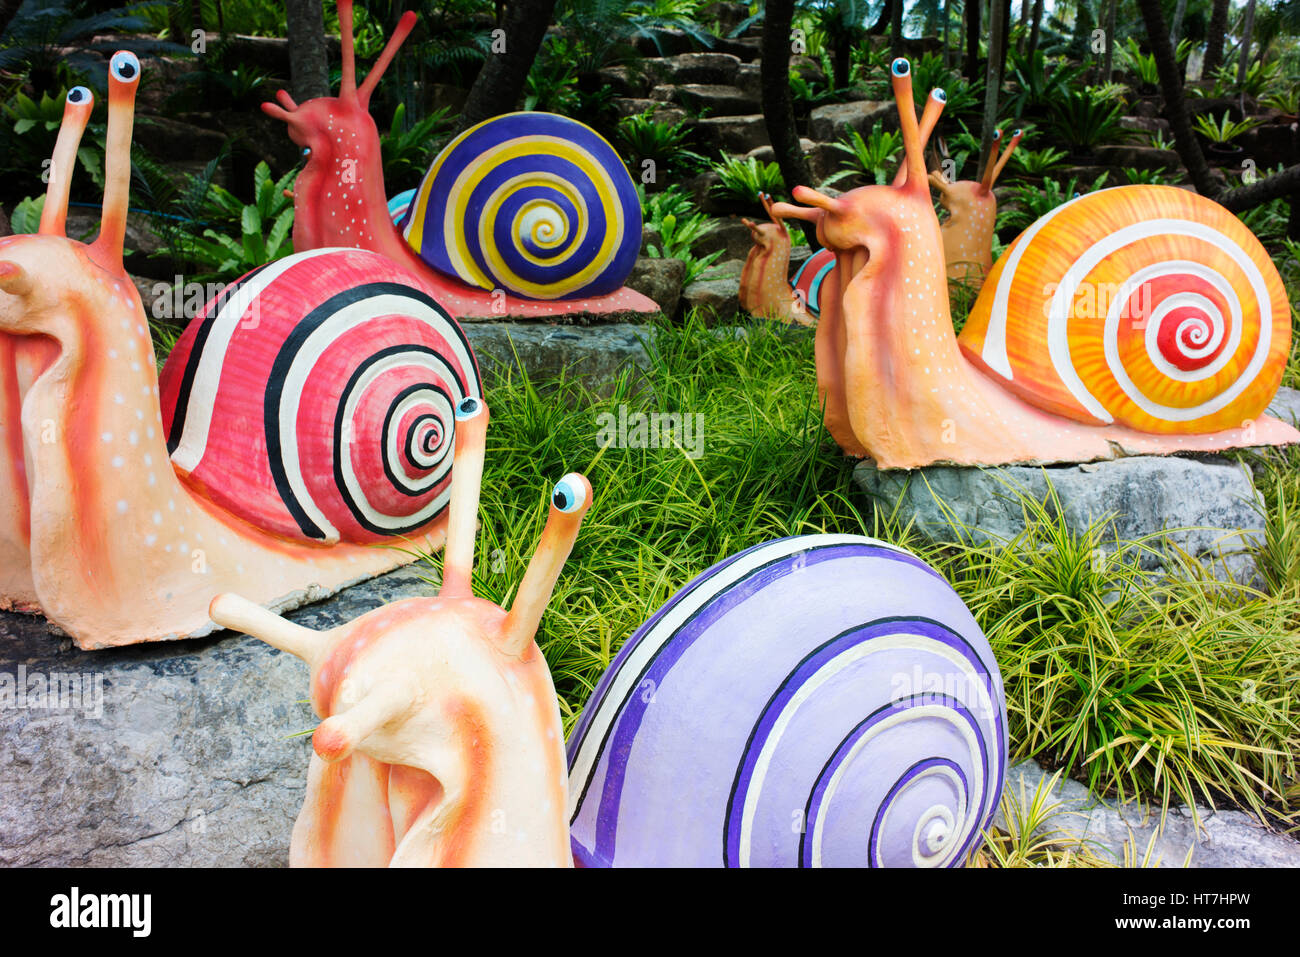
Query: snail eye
[[306, 151], [901, 67], [570, 493], [997, 135], [124, 66], [79, 94], [1015, 133], [468, 408], [939, 95]]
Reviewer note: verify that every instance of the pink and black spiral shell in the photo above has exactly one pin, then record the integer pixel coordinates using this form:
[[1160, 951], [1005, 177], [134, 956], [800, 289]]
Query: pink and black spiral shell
[[315, 398]]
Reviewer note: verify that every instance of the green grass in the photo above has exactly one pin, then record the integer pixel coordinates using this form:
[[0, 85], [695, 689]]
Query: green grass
[[1179, 690]]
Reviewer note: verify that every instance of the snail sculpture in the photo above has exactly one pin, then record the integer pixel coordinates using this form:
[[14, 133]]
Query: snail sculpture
[[765, 287], [1134, 320], [820, 700], [528, 214], [972, 216], [305, 414]]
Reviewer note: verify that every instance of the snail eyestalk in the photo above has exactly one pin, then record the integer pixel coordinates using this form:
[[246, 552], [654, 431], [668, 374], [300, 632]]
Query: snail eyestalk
[[76, 114], [404, 28], [986, 182], [901, 73], [239, 614], [123, 78], [570, 500], [348, 82], [462, 513], [1006, 155], [14, 279]]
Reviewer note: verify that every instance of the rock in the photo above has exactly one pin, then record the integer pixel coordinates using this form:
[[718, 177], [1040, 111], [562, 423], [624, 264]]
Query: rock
[[1138, 157], [659, 111], [729, 235], [623, 80], [448, 97], [1208, 507], [650, 237], [1214, 107], [798, 255], [1146, 124], [168, 139], [1286, 405], [542, 351], [661, 280], [733, 134], [711, 68], [1271, 145], [83, 225], [1225, 839], [808, 68], [747, 48], [727, 16], [833, 121], [712, 100], [717, 299], [749, 81], [189, 761]]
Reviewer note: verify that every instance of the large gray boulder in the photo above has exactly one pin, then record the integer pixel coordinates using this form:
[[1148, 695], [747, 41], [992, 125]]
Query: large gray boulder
[[660, 279], [1207, 507], [179, 754], [833, 121], [541, 351]]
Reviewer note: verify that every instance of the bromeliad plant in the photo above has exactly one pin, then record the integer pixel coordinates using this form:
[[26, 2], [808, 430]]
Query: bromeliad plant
[[741, 180], [875, 157], [1224, 130]]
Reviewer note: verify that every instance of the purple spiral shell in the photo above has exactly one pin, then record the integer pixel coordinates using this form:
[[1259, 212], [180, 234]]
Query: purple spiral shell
[[824, 700]]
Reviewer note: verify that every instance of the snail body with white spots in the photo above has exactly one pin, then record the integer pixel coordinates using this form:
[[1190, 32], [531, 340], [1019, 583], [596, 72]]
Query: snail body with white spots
[[528, 214], [823, 700], [305, 415], [1135, 320]]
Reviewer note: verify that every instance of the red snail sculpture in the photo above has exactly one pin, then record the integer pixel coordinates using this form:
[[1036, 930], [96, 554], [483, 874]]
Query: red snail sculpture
[[304, 415], [1141, 319], [526, 214]]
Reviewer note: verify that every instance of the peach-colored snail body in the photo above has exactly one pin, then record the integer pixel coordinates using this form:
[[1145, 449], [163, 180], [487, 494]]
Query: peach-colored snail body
[[441, 743], [120, 526], [972, 216], [1081, 345]]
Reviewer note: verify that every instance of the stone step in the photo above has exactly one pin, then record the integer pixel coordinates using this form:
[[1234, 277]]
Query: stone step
[[832, 122], [733, 134], [708, 99]]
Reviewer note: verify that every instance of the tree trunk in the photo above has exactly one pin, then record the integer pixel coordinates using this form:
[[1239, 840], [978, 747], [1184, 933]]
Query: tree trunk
[[309, 73], [1006, 42], [883, 20], [1108, 61], [992, 84], [1215, 33], [896, 30], [1179, 12], [500, 83], [947, 22], [778, 111], [842, 61], [971, 68], [1034, 27], [1247, 33]]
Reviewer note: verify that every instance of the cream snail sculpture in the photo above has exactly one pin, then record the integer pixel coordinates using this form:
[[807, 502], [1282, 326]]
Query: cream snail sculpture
[[820, 700], [1135, 320], [305, 414]]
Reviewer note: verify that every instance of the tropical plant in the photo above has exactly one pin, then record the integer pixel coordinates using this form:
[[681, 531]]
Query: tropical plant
[[875, 156], [661, 142], [1035, 85], [1141, 65], [1036, 162], [1285, 100], [1083, 122], [807, 94], [1223, 130], [409, 146], [1032, 202], [1135, 176], [30, 129], [680, 225], [742, 179]]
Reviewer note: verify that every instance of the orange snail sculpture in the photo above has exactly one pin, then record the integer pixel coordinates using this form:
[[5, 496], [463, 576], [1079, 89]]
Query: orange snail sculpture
[[305, 415], [1135, 320]]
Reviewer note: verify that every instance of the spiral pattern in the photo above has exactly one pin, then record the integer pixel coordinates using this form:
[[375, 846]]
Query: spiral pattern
[[316, 398], [1159, 310], [815, 701], [533, 203]]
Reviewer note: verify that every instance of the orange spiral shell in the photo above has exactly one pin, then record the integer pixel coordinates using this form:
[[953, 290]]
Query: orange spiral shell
[[1148, 306]]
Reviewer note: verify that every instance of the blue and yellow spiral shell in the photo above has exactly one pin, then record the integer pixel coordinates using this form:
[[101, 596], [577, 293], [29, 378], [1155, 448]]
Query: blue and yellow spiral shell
[[533, 203]]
